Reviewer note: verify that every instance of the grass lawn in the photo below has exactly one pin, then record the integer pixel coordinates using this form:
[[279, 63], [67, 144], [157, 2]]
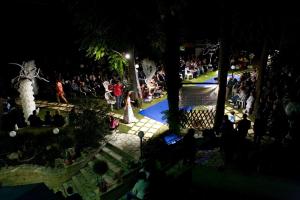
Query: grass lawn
[[203, 77], [123, 128]]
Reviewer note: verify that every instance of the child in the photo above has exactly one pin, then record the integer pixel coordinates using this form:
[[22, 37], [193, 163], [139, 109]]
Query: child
[[113, 123], [232, 117]]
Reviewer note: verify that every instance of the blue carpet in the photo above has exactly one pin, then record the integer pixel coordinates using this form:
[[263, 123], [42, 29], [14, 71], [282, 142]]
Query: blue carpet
[[155, 111], [214, 80]]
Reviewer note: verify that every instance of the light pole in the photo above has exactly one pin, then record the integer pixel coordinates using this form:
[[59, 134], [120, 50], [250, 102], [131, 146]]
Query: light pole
[[141, 135]]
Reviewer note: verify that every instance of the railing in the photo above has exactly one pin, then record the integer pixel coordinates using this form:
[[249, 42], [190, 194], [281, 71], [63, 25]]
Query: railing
[[198, 119]]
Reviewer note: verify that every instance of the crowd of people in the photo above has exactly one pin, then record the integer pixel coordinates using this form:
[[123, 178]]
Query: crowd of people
[[242, 92]]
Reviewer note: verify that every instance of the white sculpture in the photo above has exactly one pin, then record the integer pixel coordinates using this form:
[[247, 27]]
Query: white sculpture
[[149, 68], [24, 85]]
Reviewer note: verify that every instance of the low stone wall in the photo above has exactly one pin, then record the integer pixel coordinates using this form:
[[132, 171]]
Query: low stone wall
[[52, 177]]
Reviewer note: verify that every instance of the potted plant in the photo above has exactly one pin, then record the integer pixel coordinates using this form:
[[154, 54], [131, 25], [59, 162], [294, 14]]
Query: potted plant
[[100, 167]]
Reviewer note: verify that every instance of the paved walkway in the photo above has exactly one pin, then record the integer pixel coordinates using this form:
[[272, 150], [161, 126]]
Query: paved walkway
[[54, 105], [129, 142]]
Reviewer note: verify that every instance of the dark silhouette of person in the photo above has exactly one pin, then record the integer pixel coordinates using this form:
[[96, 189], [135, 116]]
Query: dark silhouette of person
[[58, 119], [34, 120], [73, 117], [48, 118], [189, 146], [243, 126], [140, 189], [259, 129], [227, 139]]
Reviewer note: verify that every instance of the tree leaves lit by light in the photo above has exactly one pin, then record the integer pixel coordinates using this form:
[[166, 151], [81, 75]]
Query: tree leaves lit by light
[[117, 62], [115, 59]]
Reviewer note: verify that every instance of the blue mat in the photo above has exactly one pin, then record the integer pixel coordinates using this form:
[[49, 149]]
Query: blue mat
[[214, 80], [155, 111]]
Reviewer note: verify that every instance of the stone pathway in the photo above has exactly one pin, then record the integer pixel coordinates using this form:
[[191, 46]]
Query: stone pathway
[[54, 105], [149, 126], [127, 142], [130, 142]]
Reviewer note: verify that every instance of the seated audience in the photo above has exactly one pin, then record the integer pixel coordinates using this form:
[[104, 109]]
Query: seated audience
[[34, 120], [48, 119], [58, 119]]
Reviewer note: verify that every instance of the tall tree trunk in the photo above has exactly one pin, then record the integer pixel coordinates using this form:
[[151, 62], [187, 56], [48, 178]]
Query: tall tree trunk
[[171, 59], [260, 75], [223, 68], [133, 76]]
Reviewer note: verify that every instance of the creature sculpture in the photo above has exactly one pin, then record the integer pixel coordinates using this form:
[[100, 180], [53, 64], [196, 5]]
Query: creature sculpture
[[149, 69], [24, 83], [211, 49]]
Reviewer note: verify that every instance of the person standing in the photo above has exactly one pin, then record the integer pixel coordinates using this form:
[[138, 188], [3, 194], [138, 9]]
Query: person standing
[[140, 188], [259, 129], [118, 92], [128, 112], [60, 92], [243, 126]]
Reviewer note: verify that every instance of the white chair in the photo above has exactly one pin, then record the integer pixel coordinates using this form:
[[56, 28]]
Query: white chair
[[105, 85], [110, 99], [187, 74]]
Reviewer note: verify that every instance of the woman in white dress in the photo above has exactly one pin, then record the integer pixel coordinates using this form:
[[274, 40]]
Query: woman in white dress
[[128, 112]]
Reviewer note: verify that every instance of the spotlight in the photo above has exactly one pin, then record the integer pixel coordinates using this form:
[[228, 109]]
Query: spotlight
[[12, 133], [55, 131], [127, 56]]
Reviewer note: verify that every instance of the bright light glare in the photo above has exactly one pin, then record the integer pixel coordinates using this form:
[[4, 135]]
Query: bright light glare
[[127, 56]]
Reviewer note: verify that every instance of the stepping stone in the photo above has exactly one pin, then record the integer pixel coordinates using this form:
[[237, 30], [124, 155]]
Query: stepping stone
[[151, 122], [152, 130], [148, 125], [144, 129], [135, 128], [139, 124], [131, 132], [148, 135], [144, 120]]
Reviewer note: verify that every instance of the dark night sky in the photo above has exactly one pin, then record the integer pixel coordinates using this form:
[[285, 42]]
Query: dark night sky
[[42, 28], [34, 28]]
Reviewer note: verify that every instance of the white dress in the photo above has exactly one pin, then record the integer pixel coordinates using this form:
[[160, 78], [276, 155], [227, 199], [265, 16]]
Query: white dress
[[249, 103], [128, 112]]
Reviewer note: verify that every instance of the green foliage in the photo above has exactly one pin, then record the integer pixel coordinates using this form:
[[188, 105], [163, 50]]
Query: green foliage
[[92, 124], [139, 102], [97, 52], [174, 119], [117, 62]]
